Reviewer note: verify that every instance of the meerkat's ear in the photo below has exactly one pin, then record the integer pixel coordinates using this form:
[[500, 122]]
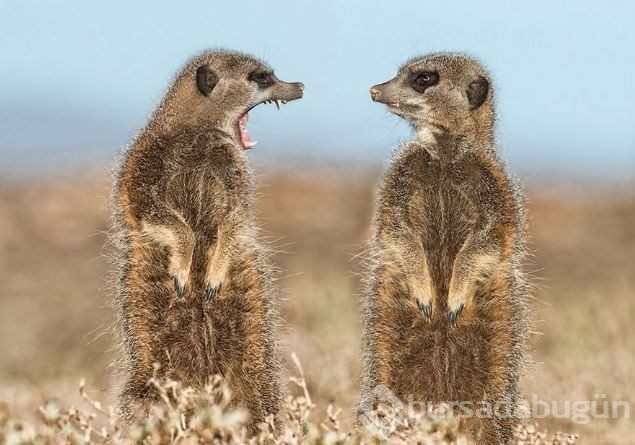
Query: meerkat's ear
[[477, 92], [206, 79]]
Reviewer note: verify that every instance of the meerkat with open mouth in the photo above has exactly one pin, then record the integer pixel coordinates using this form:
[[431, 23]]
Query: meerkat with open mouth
[[194, 286]]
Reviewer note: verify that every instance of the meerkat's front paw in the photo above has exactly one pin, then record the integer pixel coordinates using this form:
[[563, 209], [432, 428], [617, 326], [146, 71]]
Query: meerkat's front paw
[[179, 239], [179, 280], [179, 287], [213, 283], [425, 308], [423, 297], [455, 307], [453, 314], [211, 291]]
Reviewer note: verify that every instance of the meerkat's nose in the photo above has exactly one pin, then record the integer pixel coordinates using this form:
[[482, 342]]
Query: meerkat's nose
[[374, 94]]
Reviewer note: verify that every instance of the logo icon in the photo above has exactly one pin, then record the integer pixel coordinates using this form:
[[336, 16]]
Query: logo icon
[[382, 412]]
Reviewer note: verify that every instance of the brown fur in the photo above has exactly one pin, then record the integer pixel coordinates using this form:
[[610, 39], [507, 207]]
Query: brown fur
[[444, 306], [185, 231]]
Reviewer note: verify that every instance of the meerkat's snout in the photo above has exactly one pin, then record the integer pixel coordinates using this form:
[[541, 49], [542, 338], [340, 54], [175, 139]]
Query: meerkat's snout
[[374, 94], [287, 91], [382, 93], [278, 92], [405, 89]]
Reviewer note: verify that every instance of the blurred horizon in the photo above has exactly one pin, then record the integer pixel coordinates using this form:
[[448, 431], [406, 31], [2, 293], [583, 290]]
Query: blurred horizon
[[79, 80]]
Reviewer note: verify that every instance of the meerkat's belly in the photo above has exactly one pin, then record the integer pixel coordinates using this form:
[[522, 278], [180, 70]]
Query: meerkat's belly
[[449, 361], [442, 218]]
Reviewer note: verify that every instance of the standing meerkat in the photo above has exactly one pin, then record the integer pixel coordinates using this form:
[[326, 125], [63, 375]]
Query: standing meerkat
[[194, 287], [444, 305]]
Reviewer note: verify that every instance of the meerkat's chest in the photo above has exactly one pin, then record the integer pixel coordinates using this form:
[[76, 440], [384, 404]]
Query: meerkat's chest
[[438, 187], [199, 195], [440, 210]]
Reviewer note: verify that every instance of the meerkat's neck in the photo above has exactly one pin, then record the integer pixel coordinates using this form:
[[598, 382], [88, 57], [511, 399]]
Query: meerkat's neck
[[426, 135], [182, 110], [169, 119], [481, 127], [445, 143]]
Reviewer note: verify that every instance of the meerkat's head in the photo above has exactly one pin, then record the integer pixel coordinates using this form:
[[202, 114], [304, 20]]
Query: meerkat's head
[[219, 88], [440, 93]]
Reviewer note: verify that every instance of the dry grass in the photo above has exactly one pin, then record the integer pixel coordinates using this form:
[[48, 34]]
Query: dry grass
[[55, 317], [186, 416]]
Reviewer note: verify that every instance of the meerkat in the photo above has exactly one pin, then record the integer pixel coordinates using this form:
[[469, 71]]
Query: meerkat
[[194, 288], [444, 312]]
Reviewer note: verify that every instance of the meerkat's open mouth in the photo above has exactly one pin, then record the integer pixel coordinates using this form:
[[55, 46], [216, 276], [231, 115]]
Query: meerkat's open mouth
[[244, 136], [242, 124]]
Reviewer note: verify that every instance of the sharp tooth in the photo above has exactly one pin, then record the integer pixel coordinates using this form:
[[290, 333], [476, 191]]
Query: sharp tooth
[[277, 103], [284, 101], [251, 144]]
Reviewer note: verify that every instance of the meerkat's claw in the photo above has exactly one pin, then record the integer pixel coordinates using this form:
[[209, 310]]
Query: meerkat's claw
[[453, 315], [180, 288], [426, 309], [211, 292]]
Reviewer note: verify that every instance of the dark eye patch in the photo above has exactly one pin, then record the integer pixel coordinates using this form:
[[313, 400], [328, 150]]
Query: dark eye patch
[[422, 80], [264, 79]]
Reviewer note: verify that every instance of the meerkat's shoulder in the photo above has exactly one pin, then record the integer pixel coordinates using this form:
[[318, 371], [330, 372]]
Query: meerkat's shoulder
[[480, 172], [409, 157]]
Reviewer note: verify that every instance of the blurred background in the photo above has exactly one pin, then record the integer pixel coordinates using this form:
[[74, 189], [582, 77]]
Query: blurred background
[[78, 80]]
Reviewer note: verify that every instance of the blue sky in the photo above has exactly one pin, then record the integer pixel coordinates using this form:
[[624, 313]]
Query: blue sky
[[78, 79]]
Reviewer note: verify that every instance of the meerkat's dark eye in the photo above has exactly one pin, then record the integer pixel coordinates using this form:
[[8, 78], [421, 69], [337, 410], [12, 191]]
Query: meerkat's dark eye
[[420, 81], [264, 79]]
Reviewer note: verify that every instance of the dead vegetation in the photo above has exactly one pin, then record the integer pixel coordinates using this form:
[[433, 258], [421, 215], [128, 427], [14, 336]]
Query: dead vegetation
[[185, 416]]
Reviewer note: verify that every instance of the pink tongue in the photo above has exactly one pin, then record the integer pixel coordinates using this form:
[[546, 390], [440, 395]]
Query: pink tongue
[[244, 137]]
